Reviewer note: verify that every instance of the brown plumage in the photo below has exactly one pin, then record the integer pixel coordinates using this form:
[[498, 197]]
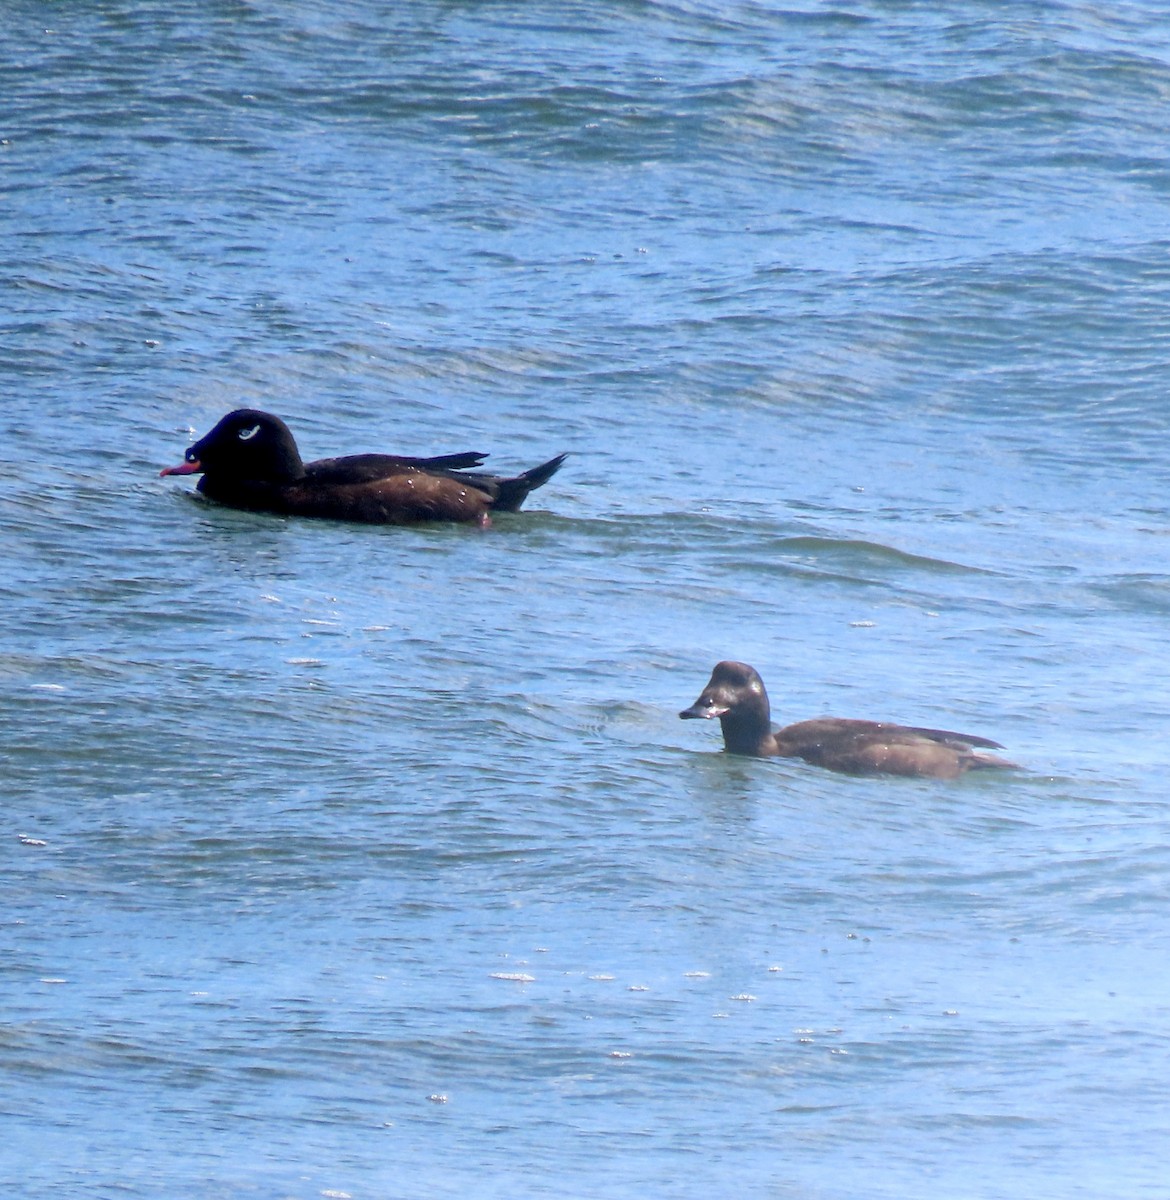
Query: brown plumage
[[736, 695], [250, 460]]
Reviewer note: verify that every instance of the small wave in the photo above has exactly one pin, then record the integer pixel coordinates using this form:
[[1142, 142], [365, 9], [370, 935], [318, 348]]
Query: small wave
[[873, 551]]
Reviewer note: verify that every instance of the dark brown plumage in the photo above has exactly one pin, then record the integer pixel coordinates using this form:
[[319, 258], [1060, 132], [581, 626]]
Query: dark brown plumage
[[250, 460], [736, 695]]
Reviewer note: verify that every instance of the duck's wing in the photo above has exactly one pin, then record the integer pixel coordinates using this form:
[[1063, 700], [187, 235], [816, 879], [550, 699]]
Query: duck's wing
[[367, 468], [946, 736], [506, 493], [877, 747], [842, 729]]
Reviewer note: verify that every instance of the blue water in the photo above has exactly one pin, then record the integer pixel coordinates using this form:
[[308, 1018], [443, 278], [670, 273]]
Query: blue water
[[368, 862]]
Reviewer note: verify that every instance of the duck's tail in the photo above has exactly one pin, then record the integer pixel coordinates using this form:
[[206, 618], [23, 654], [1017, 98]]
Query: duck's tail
[[511, 493]]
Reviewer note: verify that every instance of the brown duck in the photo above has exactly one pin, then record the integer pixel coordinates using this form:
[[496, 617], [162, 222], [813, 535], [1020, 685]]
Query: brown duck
[[250, 460], [736, 695]]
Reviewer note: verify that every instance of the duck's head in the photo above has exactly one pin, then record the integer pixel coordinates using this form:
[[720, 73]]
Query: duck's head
[[735, 694], [732, 686], [245, 445]]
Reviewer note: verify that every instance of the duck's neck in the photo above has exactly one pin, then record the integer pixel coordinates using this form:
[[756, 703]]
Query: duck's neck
[[748, 730], [285, 465]]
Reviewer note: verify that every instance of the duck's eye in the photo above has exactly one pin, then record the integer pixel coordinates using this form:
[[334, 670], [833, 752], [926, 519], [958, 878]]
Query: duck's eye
[[191, 456], [246, 435]]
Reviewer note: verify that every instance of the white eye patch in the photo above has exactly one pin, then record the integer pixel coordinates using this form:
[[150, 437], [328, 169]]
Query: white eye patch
[[246, 435]]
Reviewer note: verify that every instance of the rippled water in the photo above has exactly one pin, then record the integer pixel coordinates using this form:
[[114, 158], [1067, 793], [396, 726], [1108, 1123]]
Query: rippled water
[[376, 862]]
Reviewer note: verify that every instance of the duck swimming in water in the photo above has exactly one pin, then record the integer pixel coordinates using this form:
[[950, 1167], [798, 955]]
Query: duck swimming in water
[[735, 694], [250, 460]]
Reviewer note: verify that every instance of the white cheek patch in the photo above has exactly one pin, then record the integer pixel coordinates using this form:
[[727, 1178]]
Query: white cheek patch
[[246, 435]]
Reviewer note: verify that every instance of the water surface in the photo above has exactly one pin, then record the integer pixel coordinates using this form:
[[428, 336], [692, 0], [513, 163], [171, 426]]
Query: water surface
[[377, 862]]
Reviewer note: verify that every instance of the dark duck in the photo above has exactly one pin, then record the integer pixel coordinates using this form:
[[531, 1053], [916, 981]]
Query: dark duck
[[250, 460], [736, 695]]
